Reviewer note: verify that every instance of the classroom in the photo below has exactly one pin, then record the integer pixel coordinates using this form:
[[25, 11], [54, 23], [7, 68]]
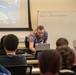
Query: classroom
[[57, 16]]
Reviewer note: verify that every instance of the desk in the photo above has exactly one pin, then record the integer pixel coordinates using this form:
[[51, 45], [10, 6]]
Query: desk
[[21, 44], [21, 51], [36, 71], [30, 62]]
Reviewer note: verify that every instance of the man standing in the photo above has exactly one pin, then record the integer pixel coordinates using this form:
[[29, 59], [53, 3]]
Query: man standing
[[37, 36]]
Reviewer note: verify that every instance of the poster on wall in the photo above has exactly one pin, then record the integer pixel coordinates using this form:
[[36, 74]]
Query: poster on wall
[[15, 15]]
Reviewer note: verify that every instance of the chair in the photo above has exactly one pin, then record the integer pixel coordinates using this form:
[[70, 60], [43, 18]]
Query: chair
[[26, 42], [38, 53], [19, 69]]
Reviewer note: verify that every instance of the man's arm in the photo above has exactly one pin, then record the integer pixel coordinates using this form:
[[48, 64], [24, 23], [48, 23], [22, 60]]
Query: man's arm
[[45, 37], [31, 47]]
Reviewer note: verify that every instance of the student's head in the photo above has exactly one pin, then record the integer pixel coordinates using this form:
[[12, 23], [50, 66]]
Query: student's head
[[40, 30], [68, 56], [49, 62], [11, 42], [1, 44], [61, 41]]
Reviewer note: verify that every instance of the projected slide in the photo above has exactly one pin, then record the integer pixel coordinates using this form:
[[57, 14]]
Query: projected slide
[[14, 14]]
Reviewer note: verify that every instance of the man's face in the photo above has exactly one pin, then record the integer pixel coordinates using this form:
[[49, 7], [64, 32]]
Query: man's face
[[40, 32]]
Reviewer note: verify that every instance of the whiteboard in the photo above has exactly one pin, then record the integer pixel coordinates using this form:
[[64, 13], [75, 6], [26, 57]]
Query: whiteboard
[[58, 24]]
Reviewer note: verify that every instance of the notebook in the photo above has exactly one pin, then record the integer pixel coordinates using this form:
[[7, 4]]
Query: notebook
[[42, 46]]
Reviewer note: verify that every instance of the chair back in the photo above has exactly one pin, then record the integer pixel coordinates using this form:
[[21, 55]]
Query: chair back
[[37, 54], [26, 42], [20, 69]]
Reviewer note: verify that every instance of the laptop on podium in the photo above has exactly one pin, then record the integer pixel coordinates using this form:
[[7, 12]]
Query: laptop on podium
[[42, 46]]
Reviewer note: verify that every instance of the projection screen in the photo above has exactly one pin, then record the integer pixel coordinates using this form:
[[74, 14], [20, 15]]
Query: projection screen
[[15, 15]]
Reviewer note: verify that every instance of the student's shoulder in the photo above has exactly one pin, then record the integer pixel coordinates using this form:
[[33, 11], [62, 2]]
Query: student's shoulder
[[2, 56], [20, 56]]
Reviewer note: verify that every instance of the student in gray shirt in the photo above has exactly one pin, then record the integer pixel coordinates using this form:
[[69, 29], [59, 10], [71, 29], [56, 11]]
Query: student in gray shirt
[[37, 36]]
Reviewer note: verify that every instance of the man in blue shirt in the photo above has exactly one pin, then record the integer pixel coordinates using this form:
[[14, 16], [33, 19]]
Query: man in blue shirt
[[37, 36]]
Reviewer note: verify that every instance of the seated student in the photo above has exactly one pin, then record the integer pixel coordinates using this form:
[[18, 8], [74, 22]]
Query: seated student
[[61, 41], [4, 71], [10, 45], [2, 51], [68, 58], [49, 62]]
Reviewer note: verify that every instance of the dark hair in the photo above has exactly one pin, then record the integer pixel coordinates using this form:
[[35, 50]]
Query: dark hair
[[49, 62], [68, 56], [61, 41], [11, 42], [40, 27], [1, 43]]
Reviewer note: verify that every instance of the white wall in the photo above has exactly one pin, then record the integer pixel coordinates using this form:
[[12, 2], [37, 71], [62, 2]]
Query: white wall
[[20, 34], [50, 5]]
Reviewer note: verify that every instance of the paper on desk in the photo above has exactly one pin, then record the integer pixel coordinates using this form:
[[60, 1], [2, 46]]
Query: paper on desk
[[35, 70]]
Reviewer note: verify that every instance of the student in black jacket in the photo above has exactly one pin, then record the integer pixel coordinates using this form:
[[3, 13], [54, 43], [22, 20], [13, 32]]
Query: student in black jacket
[[10, 45]]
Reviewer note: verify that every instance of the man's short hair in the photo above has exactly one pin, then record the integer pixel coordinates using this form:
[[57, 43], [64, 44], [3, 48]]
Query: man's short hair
[[62, 41], [11, 42], [40, 27]]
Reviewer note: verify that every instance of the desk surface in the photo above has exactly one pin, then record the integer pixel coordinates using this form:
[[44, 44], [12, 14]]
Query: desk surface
[[36, 71], [32, 61]]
